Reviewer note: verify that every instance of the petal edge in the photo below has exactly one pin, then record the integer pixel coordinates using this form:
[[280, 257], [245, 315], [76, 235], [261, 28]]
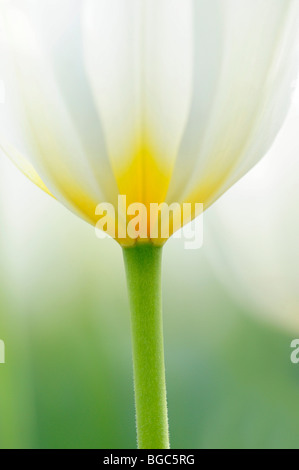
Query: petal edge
[[24, 166]]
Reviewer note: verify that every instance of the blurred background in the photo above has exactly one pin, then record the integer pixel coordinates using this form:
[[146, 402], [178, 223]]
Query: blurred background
[[230, 313]]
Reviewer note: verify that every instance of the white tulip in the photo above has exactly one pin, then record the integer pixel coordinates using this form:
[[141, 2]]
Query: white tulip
[[158, 100]]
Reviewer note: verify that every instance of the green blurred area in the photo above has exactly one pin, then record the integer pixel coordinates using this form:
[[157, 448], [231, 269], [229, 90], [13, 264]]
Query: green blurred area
[[67, 381]]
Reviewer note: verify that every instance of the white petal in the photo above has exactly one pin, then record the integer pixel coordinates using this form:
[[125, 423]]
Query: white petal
[[255, 43], [139, 59], [62, 126], [22, 164]]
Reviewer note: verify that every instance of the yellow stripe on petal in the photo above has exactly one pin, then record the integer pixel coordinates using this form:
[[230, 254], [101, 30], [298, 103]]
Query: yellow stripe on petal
[[24, 165]]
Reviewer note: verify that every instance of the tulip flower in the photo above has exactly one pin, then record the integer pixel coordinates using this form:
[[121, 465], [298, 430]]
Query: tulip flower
[[160, 101]]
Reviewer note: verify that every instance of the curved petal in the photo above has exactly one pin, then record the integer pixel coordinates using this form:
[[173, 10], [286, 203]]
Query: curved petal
[[61, 126], [139, 61], [23, 165], [257, 44]]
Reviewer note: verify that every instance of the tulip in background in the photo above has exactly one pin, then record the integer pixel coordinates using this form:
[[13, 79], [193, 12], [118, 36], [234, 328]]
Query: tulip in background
[[258, 260], [158, 100]]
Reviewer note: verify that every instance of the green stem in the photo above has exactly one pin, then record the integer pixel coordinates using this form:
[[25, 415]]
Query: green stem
[[143, 268]]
